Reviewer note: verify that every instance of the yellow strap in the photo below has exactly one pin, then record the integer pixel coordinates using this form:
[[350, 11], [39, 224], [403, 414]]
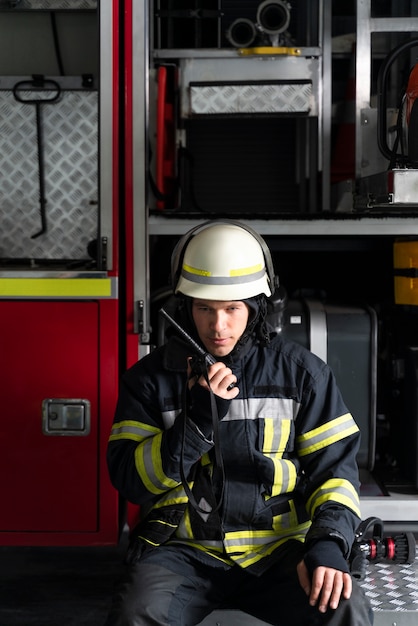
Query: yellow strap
[[270, 50]]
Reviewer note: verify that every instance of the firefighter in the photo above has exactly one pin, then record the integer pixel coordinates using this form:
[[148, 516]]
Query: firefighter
[[243, 464]]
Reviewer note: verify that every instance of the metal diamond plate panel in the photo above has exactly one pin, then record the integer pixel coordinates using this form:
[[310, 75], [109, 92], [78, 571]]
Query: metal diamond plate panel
[[392, 587], [49, 5], [290, 98], [69, 132]]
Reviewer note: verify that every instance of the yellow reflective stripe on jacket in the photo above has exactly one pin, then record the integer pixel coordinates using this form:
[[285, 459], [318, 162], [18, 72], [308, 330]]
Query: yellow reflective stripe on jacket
[[252, 557], [327, 434], [242, 541], [158, 523], [284, 521], [285, 476], [184, 529], [214, 548], [129, 429], [148, 463], [335, 490], [276, 437], [172, 497], [248, 547], [147, 454]]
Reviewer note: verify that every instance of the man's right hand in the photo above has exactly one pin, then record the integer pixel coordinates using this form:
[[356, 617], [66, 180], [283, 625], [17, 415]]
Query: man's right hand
[[221, 379]]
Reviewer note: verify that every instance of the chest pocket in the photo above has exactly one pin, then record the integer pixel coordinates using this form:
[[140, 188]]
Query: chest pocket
[[277, 442]]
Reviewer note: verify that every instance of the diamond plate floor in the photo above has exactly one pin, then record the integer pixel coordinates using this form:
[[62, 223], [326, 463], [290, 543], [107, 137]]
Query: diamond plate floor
[[73, 587], [393, 593]]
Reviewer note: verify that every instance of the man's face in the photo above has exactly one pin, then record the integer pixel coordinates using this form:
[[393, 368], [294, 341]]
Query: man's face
[[219, 324]]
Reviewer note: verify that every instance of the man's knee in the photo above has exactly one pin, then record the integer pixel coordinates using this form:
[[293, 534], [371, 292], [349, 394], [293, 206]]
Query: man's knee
[[356, 611], [143, 596]]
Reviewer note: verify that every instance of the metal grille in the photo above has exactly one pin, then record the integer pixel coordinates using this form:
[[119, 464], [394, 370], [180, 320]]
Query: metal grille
[[251, 98], [49, 5], [392, 587], [70, 140]]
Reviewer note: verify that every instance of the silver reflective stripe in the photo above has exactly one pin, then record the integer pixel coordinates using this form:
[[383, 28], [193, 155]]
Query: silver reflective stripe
[[327, 434], [130, 429], [285, 475], [262, 408], [222, 280], [169, 417], [335, 490], [148, 463], [318, 329], [145, 467]]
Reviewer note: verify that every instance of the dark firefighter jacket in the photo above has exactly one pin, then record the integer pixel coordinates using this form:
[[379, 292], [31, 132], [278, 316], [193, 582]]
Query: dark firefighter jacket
[[288, 447]]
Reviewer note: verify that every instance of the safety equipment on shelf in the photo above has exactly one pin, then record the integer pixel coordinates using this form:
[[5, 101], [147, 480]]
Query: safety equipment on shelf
[[405, 156], [273, 16], [241, 33], [272, 19]]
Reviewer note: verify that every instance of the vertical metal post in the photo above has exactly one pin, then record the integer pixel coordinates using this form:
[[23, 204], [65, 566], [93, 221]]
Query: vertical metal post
[[326, 98], [106, 147], [363, 72], [140, 104]]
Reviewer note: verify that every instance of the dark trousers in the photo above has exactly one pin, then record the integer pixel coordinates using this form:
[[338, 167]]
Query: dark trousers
[[170, 586]]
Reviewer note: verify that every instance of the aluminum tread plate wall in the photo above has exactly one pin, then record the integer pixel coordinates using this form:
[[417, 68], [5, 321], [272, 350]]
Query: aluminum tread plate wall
[[48, 5], [392, 587], [251, 98], [70, 147]]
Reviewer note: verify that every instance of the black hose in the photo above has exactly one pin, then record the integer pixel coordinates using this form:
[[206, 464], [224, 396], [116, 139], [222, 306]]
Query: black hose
[[57, 43]]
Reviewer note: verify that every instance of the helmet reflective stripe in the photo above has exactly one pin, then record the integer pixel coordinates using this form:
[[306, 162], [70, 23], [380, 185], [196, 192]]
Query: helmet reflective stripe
[[223, 262], [235, 277]]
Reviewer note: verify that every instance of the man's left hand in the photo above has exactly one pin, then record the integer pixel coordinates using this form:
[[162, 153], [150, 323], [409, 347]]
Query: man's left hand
[[327, 586]]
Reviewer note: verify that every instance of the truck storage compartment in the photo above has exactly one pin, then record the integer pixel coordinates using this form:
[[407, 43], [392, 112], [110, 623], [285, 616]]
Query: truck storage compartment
[[243, 120], [346, 338]]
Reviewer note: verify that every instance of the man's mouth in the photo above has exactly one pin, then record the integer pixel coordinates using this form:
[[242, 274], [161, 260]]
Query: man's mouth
[[218, 341]]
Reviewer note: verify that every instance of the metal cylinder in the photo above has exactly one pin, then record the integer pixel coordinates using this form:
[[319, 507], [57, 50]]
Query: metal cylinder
[[273, 16], [241, 33]]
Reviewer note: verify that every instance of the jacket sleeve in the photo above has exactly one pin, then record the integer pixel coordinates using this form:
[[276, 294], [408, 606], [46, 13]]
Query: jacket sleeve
[[151, 438], [328, 440]]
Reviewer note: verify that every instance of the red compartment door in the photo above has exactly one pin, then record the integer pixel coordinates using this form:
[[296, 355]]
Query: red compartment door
[[50, 483]]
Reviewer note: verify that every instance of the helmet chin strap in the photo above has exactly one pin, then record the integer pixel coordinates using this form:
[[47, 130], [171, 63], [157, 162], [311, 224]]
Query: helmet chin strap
[[256, 329]]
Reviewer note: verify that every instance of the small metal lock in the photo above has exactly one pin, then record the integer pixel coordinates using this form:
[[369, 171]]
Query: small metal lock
[[66, 416]]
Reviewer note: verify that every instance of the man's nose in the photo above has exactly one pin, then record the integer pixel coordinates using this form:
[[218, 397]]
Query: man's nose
[[219, 320]]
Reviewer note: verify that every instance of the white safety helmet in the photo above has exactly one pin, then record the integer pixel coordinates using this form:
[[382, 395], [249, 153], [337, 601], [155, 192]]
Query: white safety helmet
[[222, 260]]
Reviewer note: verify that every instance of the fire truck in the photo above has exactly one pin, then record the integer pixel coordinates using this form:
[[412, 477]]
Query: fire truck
[[123, 124]]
